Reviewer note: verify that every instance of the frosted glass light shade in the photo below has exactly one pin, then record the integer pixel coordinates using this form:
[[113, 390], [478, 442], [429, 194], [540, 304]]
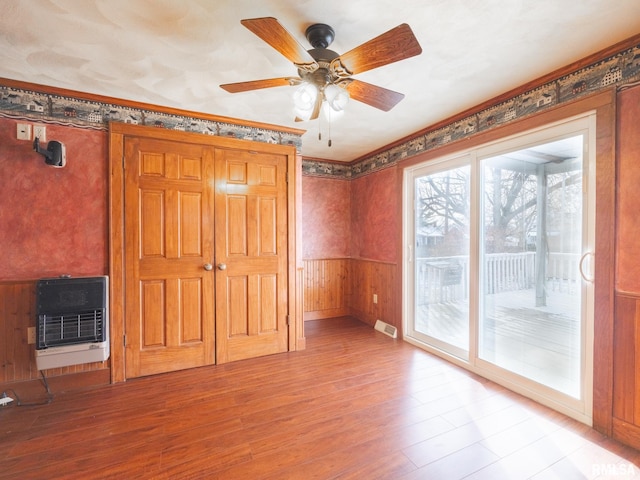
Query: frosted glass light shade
[[304, 100], [336, 97]]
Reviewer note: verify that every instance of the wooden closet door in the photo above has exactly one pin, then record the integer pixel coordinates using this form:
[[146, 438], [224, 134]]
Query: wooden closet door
[[251, 254], [169, 321]]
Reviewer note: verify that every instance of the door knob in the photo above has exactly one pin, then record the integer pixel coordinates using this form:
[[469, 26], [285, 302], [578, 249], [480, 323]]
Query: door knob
[[222, 266], [208, 267]]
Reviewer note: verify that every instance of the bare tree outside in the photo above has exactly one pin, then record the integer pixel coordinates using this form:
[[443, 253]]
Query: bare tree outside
[[510, 210], [443, 213]]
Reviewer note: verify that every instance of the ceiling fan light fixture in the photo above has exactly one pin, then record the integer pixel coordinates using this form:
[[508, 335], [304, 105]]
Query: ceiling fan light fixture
[[304, 99], [336, 97]]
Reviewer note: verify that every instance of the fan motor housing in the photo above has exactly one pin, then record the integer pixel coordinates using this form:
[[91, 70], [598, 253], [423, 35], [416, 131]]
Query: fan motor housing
[[320, 35], [323, 54]]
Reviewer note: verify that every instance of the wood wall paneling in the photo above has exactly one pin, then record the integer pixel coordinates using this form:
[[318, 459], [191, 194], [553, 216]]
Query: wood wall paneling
[[334, 287], [369, 278], [17, 309], [626, 365], [325, 288], [625, 396]]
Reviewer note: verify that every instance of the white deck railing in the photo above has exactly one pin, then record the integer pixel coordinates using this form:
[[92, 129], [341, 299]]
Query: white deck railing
[[445, 279]]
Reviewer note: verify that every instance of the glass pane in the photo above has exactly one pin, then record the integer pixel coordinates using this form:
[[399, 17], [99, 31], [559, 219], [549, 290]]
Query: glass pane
[[442, 258], [530, 321]]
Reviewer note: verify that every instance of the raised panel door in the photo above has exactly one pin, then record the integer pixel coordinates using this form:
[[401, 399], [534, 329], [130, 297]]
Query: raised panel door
[[169, 321], [251, 254]]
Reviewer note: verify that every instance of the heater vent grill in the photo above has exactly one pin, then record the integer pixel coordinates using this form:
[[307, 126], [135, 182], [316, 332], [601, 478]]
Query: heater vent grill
[[71, 328]]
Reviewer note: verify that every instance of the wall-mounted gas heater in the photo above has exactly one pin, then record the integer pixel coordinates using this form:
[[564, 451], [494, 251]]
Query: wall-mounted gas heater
[[73, 321]]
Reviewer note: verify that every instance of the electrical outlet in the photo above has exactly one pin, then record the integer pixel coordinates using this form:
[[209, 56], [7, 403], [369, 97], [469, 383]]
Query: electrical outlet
[[24, 131], [375, 298], [31, 335], [40, 132]]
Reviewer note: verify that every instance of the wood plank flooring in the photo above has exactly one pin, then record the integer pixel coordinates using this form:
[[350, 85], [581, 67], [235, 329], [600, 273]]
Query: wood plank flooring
[[355, 404]]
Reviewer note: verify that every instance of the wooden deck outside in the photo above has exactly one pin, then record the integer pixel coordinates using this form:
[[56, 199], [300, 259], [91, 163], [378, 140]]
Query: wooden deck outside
[[541, 343], [355, 405]]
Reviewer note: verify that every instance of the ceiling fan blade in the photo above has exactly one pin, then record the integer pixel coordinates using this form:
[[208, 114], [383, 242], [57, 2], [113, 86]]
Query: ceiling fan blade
[[272, 32], [373, 95], [395, 45], [317, 108], [257, 84]]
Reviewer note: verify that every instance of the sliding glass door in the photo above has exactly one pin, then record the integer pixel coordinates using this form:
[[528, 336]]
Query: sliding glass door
[[441, 267], [497, 269], [531, 245]]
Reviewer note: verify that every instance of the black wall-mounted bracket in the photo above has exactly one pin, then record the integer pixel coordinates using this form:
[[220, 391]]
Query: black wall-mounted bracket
[[54, 155]]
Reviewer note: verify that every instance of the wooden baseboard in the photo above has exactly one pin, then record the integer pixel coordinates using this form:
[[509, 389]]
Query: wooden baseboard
[[322, 314], [34, 389]]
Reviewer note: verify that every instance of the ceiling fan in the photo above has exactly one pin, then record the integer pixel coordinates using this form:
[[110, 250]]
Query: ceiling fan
[[326, 76]]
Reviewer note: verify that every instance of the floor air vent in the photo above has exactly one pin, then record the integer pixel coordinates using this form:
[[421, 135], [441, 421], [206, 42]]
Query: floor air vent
[[73, 321], [386, 328]]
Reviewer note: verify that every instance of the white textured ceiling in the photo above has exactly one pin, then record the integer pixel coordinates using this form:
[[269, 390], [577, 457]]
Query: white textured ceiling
[[176, 53]]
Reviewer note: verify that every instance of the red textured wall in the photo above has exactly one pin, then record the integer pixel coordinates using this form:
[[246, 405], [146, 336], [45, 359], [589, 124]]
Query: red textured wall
[[53, 221], [628, 225], [374, 216], [326, 218]]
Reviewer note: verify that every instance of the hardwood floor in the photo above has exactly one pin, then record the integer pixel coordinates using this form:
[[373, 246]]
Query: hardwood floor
[[354, 405]]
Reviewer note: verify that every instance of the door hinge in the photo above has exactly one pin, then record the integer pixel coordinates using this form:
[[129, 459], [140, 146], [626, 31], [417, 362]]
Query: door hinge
[[288, 319], [124, 340]]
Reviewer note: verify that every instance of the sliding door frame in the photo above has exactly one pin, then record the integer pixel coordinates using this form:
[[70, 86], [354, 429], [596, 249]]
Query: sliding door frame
[[603, 104], [411, 334]]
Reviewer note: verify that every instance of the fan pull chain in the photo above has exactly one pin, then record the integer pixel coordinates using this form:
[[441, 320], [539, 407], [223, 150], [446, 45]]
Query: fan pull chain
[[329, 142], [320, 126]]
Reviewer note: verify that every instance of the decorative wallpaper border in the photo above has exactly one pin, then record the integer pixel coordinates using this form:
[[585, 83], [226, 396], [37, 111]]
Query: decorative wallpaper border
[[617, 69], [48, 108]]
